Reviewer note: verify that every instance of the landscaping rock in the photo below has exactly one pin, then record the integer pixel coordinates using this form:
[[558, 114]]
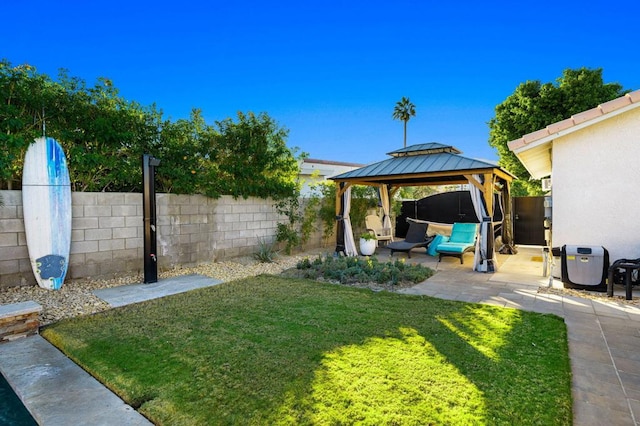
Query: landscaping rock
[[75, 297]]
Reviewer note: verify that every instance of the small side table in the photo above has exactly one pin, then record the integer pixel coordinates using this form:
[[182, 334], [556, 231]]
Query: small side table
[[628, 267]]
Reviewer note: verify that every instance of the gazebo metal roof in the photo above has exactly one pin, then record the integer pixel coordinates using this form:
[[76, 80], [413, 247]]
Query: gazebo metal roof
[[423, 164]]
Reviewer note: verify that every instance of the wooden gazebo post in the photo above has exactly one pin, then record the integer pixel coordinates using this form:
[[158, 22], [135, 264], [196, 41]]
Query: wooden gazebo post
[[508, 246]]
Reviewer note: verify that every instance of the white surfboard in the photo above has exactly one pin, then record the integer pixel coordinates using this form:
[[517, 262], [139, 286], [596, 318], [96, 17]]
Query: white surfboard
[[46, 204]]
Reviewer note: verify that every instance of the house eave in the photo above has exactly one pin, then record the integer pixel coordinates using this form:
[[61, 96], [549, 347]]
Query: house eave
[[534, 150]]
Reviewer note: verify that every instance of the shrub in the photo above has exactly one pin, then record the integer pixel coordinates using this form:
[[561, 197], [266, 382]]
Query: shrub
[[266, 252], [347, 270]]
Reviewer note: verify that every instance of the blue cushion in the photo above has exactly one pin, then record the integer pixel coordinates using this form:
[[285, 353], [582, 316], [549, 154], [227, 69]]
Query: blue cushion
[[463, 237], [453, 247], [437, 240], [464, 233]]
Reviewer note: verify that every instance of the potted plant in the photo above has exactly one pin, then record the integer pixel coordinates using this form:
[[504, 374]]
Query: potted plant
[[368, 243]]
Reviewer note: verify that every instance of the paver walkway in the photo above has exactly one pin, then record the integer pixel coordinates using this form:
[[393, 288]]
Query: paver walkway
[[134, 293], [603, 334]]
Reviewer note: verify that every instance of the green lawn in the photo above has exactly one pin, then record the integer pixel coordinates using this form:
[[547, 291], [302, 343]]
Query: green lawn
[[271, 350]]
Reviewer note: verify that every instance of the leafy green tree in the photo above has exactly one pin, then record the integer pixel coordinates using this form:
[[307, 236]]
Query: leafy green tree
[[403, 111], [104, 137], [535, 105], [102, 134], [21, 106], [251, 158], [416, 192], [185, 150]]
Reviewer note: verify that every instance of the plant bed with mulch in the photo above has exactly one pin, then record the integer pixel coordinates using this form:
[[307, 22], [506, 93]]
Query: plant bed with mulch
[[363, 272]]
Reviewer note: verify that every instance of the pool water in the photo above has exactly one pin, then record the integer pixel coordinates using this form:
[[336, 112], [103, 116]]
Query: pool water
[[12, 412]]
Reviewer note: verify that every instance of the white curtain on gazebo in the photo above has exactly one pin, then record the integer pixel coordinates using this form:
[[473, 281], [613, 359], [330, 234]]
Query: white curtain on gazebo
[[484, 258], [349, 242], [384, 200]]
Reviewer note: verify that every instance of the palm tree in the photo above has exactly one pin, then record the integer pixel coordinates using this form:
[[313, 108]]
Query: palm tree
[[403, 111]]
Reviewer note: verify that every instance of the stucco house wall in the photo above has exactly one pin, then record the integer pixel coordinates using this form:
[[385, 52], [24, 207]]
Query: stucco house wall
[[595, 181], [313, 171]]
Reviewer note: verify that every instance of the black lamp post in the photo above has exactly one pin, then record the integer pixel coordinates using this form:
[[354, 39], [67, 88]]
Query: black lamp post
[[149, 164], [340, 245]]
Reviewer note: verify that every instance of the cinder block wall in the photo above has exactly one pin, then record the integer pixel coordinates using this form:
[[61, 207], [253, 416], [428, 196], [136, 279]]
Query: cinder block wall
[[14, 257], [107, 233]]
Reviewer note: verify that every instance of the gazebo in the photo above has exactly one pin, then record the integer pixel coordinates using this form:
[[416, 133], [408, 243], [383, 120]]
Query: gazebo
[[430, 164]]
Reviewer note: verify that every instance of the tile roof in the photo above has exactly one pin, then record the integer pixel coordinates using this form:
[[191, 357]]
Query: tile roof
[[630, 100]]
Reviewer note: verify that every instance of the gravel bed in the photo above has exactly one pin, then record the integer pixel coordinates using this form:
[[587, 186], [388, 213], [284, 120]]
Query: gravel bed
[[586, 294], [75, 297]]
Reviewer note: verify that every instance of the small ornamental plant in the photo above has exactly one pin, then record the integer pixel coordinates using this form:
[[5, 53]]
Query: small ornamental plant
[[368, 236], [266, 252]]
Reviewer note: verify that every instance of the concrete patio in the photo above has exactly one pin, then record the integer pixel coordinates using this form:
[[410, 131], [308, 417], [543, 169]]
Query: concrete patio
[[603, 333]]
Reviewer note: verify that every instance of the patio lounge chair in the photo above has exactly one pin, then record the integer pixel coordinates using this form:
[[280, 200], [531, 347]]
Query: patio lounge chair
[[416, 237], [374, 224], [461, 241]]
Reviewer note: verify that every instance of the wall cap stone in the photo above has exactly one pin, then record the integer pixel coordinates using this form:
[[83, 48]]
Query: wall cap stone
[[16, 309]]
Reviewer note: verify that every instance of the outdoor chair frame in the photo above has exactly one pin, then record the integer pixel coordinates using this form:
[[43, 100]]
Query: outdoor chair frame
[[373, 224], [416, 238], [461, 241]]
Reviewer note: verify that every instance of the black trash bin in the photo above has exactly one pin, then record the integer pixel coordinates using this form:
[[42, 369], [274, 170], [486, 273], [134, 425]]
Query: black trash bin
[[585, 267]]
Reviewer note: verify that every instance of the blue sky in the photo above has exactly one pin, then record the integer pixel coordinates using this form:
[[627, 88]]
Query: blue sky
[[331, 71]]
